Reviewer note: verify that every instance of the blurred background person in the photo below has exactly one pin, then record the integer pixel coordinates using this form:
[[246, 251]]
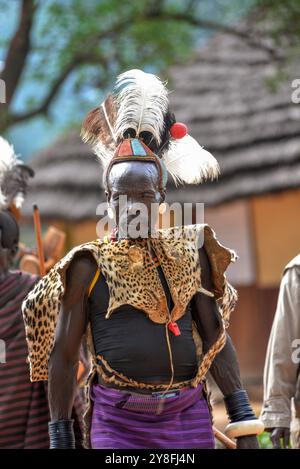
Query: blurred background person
[[281, 407], [24, 411]]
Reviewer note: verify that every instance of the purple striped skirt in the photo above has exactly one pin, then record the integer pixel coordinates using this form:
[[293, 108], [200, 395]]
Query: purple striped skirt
[[122, 420]]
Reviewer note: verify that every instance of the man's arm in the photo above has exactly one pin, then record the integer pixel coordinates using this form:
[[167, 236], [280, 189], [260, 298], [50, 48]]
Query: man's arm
[[71, 326], [280, 375], [225, 368]]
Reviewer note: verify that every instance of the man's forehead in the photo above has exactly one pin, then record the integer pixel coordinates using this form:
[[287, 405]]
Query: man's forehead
[[137, 173]]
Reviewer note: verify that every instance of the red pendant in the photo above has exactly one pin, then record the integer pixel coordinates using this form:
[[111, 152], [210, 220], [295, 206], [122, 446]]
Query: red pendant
[[178, 130], [174, 328]]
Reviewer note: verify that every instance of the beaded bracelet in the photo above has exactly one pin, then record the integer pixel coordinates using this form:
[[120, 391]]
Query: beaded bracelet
[[61, 434], [242, 418]]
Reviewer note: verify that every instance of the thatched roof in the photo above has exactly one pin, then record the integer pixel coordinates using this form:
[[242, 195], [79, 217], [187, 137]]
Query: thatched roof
[[224, 98], [68, 181]]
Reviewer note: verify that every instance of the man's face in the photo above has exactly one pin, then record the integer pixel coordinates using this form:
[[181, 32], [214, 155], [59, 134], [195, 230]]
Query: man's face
[[139, 182], [9, 238], [6, 255]]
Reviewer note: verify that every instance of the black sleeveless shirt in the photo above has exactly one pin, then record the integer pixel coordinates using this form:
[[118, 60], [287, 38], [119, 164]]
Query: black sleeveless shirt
[[134, 345]]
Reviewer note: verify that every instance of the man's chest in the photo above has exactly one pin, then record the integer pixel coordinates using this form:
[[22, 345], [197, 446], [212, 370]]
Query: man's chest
[[159, 281]]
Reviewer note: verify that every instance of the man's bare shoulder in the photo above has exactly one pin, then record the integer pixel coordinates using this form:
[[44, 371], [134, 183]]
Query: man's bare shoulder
[[81, 268]]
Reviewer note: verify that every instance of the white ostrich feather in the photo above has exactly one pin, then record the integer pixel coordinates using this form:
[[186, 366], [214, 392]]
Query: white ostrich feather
[[8, 158], [2, 201], [189, 163], [104, 153], [142, 100], [8, 161]]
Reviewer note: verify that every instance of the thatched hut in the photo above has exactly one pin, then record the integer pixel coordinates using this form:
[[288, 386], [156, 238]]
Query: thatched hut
[[67, 188]]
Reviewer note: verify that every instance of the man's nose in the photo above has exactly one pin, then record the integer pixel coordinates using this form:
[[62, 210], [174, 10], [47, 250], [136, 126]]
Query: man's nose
[[133, 207]]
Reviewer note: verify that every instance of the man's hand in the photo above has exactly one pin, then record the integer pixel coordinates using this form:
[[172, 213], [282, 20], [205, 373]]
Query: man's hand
[[247, 442], [278, 434]]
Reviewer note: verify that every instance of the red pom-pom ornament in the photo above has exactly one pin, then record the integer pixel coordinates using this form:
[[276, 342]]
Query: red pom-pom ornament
[[178, 130]]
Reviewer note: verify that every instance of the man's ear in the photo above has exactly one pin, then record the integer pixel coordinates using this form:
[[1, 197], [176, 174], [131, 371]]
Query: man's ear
[[14, 250]]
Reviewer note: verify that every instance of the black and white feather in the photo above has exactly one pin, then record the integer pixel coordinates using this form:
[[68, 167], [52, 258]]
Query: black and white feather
[[139, 105], [14, 176], [142, 102]]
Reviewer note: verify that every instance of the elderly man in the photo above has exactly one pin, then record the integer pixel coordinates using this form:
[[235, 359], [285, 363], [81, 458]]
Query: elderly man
[[143, 296], [281, 377]]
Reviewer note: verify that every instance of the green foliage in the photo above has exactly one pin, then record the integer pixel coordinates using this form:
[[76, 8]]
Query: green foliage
[[279, 22], [110, 35], [273, 81], [81, 45], [264, 441], [282, 19]]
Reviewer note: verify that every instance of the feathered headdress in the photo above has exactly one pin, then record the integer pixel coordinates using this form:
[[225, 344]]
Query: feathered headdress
[[14, 176], [139, 108]]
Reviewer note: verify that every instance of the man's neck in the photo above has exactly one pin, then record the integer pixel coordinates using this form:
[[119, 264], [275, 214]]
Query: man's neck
[[116, 235]]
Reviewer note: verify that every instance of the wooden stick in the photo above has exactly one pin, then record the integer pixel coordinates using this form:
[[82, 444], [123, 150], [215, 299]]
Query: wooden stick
[[224, 439], [39, 242]]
